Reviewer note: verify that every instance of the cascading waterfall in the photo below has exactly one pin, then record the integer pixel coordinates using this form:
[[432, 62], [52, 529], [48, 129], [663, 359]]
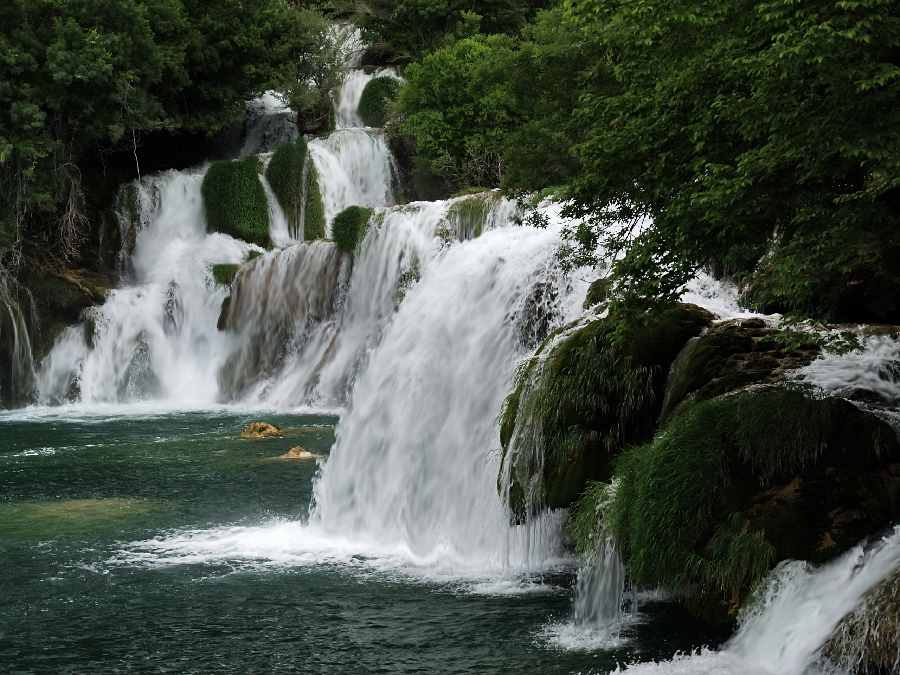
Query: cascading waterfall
[[154, 338], [413, 461], [417, 338], [16, 363]]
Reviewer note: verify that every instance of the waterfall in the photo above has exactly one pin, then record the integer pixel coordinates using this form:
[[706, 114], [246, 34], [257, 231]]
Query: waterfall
[[17, 377], [414, 460], [155, 337]]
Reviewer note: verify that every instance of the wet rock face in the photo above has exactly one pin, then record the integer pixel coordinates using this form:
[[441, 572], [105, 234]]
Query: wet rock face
[[868, 640], [730, 355]]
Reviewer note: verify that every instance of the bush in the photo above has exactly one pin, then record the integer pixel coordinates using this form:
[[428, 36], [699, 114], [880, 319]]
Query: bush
[[348, 227], [373, 101], [236, 202], [224, 274], [314, 216], [285, 175]]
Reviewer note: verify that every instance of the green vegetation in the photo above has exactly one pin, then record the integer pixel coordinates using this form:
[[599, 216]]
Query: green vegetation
[[469, 215], [414, 27], [224, 273], [85, 78], [374, 99], [314, 215], [682, 510], [236, 202], [349, 226], [756, 137], [285, 175], [590, 399]]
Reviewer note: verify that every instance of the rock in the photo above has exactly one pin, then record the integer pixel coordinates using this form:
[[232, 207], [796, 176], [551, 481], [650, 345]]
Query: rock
[[299, 453], [593, 398], [729, 356], [868, 640], [262, 430]]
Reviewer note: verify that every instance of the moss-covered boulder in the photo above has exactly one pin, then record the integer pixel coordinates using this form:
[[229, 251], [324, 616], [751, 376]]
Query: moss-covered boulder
[[373, 101], [285, 175], [730, 355], [314, 211], [349, 226], [741, 482], [236, 202], [574, 409], [224, 273]]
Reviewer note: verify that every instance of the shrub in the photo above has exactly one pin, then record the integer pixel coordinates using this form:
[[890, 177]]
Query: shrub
[[285, 175], [348, 227], [314, 216], [224, 274], [236, 202], [373, 101]]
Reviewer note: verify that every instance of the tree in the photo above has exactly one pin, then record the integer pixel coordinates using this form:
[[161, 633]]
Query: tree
[[769, 128]]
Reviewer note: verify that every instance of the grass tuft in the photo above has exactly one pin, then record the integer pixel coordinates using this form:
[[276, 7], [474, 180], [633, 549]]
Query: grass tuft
[[373, 101], [349, 226], [236, 202]]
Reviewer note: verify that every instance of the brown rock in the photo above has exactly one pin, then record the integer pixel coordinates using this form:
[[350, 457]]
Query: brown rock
[[299, 453], [261, 430]]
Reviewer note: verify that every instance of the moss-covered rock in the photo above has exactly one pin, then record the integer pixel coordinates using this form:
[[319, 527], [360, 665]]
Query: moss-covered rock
[[373, 101], [729, 356], [285, 175], [741, 482], [349, 226], [868, 640], [314, 213], [574, 411], [236, 202], [224, 273], [468, 216]]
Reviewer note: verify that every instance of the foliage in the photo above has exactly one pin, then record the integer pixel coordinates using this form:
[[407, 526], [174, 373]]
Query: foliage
[[414, 27], [491, 109], [731, 121], [224, 273], [675, 513], [314, 212], [236, 202], [285, 176], [458, 108], [373, 100], [348, 227], [82, 77]]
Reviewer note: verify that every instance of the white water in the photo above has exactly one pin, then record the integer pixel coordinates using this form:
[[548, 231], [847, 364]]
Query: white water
[[419, 343], [791, 616], [874, 371]]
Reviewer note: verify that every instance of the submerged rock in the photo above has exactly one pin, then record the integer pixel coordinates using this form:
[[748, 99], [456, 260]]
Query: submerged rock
[[261, 430], [299, 453]]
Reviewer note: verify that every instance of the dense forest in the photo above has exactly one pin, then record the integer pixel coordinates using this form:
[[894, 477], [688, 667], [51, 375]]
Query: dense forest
[[754, 137]]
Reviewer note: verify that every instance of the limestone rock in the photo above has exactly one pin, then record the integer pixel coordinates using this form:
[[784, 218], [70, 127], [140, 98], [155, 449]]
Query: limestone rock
[[262, 430], [299, 453]]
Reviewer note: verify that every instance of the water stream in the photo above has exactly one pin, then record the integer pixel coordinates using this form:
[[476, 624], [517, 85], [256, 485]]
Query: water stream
[[131, 507]]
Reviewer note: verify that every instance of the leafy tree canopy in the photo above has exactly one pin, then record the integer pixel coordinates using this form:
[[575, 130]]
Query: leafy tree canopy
[[769, 127], [83, 73]]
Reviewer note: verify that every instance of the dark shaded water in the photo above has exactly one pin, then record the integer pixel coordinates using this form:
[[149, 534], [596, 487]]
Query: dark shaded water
[[164, 543]]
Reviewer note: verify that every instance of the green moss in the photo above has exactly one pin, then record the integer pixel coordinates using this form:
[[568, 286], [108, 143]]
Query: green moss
[[592, 398], [285, 176], [599, 291], [236, 202], [373, 100], [253, 255], [696, 507], [348, 227], [224, 274], [314, 216], [469, 215]]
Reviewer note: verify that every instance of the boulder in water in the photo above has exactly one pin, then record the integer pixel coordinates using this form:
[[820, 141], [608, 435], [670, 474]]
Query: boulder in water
[[299, 453], [262, 430]]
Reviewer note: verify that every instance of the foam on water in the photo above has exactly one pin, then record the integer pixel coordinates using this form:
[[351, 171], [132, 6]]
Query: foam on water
[[875, 369]]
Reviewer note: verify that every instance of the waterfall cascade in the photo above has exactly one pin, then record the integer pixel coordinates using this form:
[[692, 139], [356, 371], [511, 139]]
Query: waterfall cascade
[[415, 338]]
